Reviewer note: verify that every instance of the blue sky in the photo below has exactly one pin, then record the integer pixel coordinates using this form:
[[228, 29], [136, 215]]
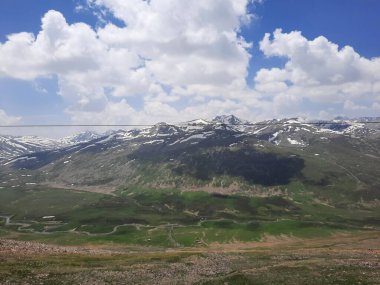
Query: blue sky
[[344, 22], [137, 63]]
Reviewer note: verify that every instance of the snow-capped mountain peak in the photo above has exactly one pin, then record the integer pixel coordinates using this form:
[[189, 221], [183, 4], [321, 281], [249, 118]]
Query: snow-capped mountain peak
[[79, 138], [294, 131], [196, 122], [13, 146], [228, 120]]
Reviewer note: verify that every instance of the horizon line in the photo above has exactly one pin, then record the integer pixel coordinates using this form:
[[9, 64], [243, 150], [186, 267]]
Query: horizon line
[[151, 125]]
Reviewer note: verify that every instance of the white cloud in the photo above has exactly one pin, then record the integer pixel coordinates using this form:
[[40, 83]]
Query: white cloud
[[319, 61], [8, 120], [185, 42], [349, 105], [165, 46], [170, 52], [57, 49], [319, 71], [156, 109], [376, 106]]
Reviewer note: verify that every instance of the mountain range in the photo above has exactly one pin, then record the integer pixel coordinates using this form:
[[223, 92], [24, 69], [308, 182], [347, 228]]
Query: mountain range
[[226, 155], [13, 146]]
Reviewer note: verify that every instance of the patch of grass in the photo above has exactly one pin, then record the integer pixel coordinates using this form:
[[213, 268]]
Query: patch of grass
[[36, 203], [170, 218]]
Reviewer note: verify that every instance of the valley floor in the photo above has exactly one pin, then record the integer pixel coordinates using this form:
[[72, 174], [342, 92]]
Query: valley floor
[[342, 258]]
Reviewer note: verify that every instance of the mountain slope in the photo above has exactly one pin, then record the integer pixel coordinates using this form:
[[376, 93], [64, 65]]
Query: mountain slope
[[14, 146], [335, 162]]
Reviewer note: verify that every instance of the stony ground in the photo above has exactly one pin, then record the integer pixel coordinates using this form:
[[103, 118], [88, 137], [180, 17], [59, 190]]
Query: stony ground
[[340, 259]]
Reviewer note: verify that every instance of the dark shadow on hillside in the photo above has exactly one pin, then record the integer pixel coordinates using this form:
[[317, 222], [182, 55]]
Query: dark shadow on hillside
[[267, 169], [255, 167]]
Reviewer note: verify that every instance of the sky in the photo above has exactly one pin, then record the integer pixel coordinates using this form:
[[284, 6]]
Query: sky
[[142, 62]]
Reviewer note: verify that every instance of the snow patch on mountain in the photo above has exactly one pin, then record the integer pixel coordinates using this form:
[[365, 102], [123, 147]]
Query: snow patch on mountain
[[293, 131], [229, 120], [294, 142], [14, 146]]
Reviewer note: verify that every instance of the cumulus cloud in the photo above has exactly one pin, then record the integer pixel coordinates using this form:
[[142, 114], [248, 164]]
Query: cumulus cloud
[[166, 50], [319, 71], [185, 43], [319, 61], [57, 49], [8, 120]]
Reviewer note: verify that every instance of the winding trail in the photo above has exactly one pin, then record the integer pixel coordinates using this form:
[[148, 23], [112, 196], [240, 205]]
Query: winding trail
[[21, 226]]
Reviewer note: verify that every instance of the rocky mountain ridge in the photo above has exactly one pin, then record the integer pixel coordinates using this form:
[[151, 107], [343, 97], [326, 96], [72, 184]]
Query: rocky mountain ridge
[[294, 131], [202, 152], [13, 146]]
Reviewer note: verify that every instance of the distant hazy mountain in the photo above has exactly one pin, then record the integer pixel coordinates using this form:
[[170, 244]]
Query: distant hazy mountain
[[13, 146], [79, 138]]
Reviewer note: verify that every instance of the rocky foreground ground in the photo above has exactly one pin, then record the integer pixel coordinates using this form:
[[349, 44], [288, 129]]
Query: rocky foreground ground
[[341, 259]]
